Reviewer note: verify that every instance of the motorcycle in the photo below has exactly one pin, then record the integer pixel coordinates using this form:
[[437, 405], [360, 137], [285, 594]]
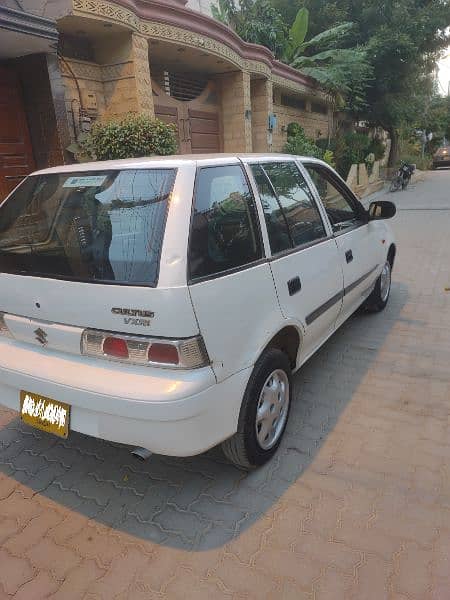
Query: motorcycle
[[402, 177]]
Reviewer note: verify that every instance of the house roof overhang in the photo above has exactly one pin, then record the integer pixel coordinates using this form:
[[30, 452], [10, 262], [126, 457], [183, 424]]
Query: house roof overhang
[[170, 20], [25, 33]]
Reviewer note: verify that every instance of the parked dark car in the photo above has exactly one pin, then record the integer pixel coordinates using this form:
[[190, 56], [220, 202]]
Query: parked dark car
[[441, 157]]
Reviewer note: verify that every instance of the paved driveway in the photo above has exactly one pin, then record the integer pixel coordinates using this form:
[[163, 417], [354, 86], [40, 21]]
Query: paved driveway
[[355, 505]]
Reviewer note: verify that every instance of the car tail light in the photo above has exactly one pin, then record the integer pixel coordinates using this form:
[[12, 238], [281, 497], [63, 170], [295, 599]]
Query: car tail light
[[179, 354], [116, 347], [163, 353], [4, 327]]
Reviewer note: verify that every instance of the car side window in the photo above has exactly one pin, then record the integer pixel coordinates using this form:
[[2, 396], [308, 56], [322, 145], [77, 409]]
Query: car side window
[[296, 202], [224, 229], [276, 222], [341, 211]]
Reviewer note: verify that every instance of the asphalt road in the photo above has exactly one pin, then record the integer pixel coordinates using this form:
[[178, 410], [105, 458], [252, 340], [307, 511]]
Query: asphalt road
[[356, 505]]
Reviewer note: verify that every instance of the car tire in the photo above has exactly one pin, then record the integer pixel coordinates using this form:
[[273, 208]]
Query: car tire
[[267, 399], [379, 297]]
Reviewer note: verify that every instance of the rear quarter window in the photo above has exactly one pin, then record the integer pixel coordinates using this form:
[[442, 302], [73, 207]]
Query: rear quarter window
[[224, 230]]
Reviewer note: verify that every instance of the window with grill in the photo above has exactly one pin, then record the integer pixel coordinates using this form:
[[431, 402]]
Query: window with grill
[[293, 102], [181, 86], [318, 107]]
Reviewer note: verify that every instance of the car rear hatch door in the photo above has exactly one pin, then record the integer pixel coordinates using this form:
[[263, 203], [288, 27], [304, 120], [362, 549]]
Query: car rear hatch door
[[82, 250]]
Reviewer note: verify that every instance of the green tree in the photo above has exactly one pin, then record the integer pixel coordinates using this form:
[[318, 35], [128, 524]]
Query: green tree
[[255, 21], [402, 39], [342, 72], [323, 14], [436, 119]]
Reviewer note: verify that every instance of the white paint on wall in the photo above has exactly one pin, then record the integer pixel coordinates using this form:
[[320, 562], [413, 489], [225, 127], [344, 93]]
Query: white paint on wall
[[203, 6]]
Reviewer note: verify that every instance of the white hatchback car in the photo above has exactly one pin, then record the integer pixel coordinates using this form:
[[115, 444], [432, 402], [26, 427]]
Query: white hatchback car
[[166, 302]]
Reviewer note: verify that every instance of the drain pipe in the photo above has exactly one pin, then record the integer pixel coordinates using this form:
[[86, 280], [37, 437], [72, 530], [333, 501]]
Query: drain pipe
[[141, 453]]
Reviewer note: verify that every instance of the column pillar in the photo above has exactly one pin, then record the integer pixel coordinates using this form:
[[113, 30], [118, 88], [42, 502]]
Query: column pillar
[[262, 107], [236, 111], [144, 94], [126, 76]]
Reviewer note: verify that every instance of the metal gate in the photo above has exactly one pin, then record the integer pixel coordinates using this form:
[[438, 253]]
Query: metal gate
[[191, 103]]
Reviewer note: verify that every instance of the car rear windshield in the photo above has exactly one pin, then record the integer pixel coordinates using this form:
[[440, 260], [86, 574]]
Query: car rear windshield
[[102, 226]]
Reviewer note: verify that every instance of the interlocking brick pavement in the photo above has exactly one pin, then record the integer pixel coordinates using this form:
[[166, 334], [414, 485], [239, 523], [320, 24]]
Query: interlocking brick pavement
[[355, 506]]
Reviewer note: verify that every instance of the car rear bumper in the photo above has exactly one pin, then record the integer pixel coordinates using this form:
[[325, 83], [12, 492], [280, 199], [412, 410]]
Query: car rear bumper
[[177, 413]]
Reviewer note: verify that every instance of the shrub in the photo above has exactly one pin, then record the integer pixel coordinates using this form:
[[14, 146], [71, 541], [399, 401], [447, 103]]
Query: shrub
[[411, 152], [377, 147], [298, 142], [130, 137], [356, 147], [349, 148], [328, 157]]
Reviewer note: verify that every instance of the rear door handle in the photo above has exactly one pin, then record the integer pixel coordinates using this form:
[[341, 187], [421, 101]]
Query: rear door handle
[[294, 285], [349, 256]]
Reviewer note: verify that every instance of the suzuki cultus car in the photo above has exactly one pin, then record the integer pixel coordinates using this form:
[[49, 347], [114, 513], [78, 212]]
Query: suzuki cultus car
[[165, 303]]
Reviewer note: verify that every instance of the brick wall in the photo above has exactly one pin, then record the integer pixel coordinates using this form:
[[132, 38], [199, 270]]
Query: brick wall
[[315, 124]]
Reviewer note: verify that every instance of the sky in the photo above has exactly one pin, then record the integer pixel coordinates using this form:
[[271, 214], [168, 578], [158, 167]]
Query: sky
[[444, 72]]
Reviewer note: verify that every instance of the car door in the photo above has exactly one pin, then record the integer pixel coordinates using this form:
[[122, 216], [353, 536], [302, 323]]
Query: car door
[[355, 236], [230, 280], [304, 257]]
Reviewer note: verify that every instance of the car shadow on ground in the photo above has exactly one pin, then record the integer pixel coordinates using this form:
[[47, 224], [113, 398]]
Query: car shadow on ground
[[202, 502]]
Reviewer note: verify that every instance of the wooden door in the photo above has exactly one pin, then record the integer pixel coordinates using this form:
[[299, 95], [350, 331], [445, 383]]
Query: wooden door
[[173, 115], [204, 131], [197, 119], [16, 154]]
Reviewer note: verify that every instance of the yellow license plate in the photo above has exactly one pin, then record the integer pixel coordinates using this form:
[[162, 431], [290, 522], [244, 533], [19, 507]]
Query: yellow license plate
[[45, 414]]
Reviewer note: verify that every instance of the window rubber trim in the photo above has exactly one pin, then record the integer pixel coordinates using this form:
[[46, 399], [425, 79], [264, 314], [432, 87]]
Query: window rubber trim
[[256, 263], [348, 229], [296, 249]]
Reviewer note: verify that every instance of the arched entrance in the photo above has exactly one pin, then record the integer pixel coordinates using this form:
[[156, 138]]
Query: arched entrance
[[191, 102]]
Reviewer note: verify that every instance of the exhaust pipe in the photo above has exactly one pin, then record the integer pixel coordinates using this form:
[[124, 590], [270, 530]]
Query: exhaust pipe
[[141, 453]]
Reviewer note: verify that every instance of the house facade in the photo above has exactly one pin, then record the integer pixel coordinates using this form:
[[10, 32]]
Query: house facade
[[84, 60]]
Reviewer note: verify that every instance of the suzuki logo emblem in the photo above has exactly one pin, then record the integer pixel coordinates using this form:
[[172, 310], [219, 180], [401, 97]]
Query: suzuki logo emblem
[[41, 336]]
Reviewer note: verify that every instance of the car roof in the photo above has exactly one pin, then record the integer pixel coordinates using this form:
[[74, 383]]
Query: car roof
[[172, 161]]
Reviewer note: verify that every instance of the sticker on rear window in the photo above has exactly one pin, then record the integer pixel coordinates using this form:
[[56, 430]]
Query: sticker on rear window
[[86, 181]]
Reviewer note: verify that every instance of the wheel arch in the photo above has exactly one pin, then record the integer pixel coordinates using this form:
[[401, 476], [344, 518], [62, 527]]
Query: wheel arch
[[391, 254], [288, 340]]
